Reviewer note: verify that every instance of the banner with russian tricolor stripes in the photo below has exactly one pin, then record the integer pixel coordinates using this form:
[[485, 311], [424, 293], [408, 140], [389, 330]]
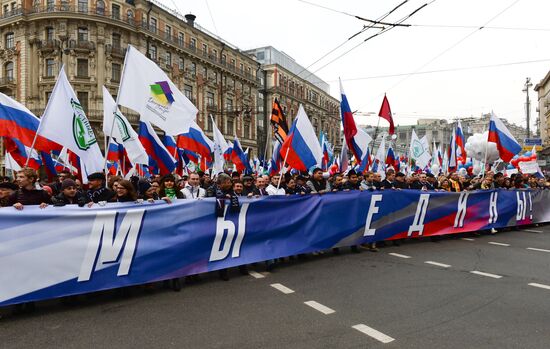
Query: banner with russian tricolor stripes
[[60, 251]]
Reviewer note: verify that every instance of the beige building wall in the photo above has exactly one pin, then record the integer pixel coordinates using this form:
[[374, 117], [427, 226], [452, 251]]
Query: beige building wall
[[543, 108], [90, 37]]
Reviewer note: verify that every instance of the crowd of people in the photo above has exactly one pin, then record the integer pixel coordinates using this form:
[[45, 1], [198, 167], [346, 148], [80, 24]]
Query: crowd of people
[[28, 190]]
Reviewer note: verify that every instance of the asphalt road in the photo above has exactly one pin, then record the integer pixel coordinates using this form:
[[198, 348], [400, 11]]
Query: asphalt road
[[484, 292]]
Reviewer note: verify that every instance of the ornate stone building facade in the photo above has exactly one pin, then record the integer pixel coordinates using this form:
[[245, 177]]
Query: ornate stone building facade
[[293, 85], [90, 38]]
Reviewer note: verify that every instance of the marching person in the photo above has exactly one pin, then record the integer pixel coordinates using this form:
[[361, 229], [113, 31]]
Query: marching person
[[69, 195], [125, 192], [28, 194], [193, 189], [317, 183], [97, 191], [272, 187], [6, 189]]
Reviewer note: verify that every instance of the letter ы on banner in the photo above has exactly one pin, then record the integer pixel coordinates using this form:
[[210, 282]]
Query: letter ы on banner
[[220, 251], [524, 200], [106, 245]]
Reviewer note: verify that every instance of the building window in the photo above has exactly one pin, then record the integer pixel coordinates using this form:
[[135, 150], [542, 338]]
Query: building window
[[188, 92], [204, 72], [65, 5], [260, 55], [205, 49], [229, 105], [82, 68], [168, 58], [83, 99], [115, 40], [115, 11], [8, 71], [215, 54], [193, 43], [82, 5], [49, 34], [241, 66], [168, 32], [181, 63], [209, 99], [193, 68], [230, 127], [82, 34], [6, 11], [115, 72], [10, 40], [153, 52], [224, 59], [100, 7], [232, 63], [153, 25], [130, 16], [181, 38], [50, 5], [50, 67]]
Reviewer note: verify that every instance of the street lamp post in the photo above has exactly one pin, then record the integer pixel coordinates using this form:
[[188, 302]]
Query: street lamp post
[[526, 87]]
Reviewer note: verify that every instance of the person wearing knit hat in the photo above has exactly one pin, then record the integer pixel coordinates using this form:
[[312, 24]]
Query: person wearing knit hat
[[69, 195]]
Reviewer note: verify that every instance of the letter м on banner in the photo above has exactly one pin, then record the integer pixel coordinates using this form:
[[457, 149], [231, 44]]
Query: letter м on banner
[[106, 245]]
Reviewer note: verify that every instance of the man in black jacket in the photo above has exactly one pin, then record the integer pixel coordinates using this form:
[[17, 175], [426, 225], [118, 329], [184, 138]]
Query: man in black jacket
[[97, 191], [69, 195]]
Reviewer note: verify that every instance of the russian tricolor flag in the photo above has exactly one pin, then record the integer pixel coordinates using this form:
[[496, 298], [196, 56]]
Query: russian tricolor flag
[[506, 143], [390, 157], [301, 148], [196, 141], [16, 121], [159, 156], [460, 150], [238, 157]]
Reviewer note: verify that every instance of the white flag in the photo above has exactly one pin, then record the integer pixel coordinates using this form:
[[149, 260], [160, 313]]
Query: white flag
[[122, 132], [146, 88], [10, 163], [65, 122], [220, 146], [420, 150], [381, 157]]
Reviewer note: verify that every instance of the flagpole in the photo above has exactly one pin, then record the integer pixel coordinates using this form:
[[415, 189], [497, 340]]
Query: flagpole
[[375, 135], [486, 151], [282, 168], [114, 117], [42, 119]]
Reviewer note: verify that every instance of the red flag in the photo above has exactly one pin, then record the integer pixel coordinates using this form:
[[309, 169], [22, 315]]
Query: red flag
[[385, 113]]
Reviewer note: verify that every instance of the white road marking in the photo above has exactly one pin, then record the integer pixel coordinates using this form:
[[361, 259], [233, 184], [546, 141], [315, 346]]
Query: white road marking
[[256, 275], [498, 243], [399, 255], [438, 264], [282, 288], [539, 285], [494, 276], [468, 239], [538, 249], [533, 231], [371, 332], [319, 307]]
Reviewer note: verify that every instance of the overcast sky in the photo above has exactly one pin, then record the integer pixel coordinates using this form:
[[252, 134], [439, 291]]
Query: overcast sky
[[307, 32]]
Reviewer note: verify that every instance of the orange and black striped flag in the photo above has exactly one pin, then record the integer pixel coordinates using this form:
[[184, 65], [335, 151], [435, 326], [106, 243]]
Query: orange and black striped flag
[[278, 120]]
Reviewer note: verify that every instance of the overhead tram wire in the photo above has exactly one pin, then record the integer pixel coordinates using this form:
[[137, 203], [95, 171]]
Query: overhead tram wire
[[455, 44], [373, 36], [477, 27], [365, 28], [446, 70], [211, 17]]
